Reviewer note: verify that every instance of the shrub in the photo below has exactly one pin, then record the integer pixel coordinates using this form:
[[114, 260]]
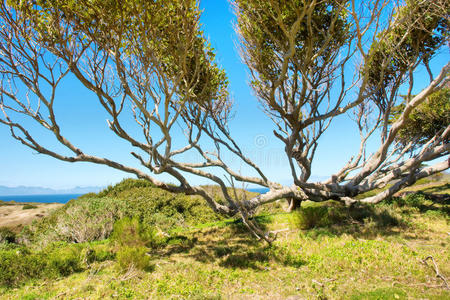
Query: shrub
[[131, 232], [165, 210], [310, 217], [103, 253], [437, 214], [328, 214], [416, 200], [91, 217], [7, 235], [124, 185], [63, 261], [81, 220], [19, 265], [88, 219], [29, 206], [133, 257]]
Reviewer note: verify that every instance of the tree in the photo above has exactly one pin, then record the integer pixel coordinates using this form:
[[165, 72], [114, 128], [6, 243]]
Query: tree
[[153, 55], [429, 118]]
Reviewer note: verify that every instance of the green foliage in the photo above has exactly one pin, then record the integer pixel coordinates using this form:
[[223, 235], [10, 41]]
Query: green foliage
[[102, 252], [29, 206], [62, 261], [131, 232], [92, 217], [7, 235], [133, 257], [20, 265], [430, 117], [159, 208], [316, 216], [132, 239], [123, 186], [310, 217], [420, 30], [265, 30], [159, 35]]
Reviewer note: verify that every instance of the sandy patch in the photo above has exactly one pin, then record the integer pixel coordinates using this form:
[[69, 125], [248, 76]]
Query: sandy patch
[[15, 217]]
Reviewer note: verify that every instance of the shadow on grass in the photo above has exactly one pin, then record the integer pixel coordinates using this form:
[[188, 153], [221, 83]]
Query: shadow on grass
[[253, 260], [437, 204], [437, 189], [230, 244], [227, 243]]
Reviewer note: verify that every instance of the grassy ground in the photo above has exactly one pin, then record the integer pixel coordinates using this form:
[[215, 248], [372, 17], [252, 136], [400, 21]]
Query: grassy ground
[[370, 252]]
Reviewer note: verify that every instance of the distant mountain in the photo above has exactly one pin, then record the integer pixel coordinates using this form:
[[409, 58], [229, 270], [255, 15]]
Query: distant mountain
[[29, 190]]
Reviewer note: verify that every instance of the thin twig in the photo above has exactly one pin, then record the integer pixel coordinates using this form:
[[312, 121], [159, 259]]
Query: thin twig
[[436, 270]]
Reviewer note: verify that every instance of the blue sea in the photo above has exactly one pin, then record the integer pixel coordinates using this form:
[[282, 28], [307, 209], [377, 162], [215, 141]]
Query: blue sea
[[54, 198], [259, 190]]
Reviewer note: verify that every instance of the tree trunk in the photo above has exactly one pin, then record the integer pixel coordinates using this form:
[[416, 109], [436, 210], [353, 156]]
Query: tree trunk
[[294, 203]]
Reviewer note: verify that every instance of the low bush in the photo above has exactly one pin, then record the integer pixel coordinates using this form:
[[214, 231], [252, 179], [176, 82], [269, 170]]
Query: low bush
[[124, 185], [20, 264], [131, 232], [79, 221], [102, 252], [29, 206], [63, 261], [317, 216], [129, 257], [91, 217], [7, 235], [163, 209], [310, 217]]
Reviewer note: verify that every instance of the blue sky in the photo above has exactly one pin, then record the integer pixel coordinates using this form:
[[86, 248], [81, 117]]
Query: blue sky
[[250, 127]]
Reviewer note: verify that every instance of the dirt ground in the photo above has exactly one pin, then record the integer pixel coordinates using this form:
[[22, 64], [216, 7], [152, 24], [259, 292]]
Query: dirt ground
[[15, 217]]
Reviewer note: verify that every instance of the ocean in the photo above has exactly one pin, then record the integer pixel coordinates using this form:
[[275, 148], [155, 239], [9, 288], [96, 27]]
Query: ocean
[[259, 190], [54, 198]]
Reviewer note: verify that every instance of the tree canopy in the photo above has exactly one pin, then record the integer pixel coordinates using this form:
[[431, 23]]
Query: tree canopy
[[309, 62]]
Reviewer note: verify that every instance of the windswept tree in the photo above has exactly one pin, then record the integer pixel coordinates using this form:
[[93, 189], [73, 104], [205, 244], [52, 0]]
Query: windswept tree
[[310, 61]]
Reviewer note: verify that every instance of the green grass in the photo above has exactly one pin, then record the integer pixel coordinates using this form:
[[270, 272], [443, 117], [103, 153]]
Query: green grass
[[327, 252], [221, 260]]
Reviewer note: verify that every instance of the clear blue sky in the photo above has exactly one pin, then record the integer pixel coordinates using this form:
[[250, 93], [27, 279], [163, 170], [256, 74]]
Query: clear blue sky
[[20, 166]]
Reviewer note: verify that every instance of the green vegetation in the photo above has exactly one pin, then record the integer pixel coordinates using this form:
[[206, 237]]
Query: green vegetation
[[430, 117], [323, 250], [92, 216], [29, 206], [7, 235]]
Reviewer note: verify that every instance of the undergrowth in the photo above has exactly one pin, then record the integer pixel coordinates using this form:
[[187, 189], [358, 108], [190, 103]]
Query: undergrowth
[[323, 250]]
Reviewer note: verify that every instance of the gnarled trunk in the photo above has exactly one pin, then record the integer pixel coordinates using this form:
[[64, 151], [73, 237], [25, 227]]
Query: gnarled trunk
[[294, 203]]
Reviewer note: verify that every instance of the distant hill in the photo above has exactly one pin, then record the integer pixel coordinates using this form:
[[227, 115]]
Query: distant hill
[[29, 190]]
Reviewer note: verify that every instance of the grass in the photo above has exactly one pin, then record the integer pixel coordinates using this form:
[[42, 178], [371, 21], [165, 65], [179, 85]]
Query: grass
[[221, 260], [327, 252]]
